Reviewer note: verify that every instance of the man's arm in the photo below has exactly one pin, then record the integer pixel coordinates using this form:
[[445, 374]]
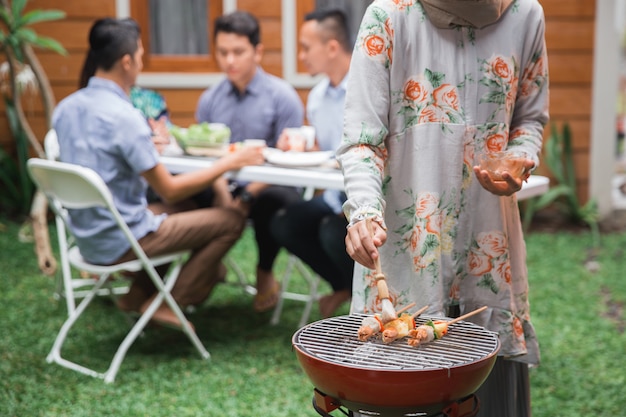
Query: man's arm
[[174, 188]]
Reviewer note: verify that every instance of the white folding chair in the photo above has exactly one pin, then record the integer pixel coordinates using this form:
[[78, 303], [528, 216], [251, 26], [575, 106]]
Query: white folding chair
[[294, 263], [70, 284], [312, 280], [308, 298], [70, 186]]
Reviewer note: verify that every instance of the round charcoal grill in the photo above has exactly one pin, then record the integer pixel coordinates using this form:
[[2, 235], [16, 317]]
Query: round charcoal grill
[[394, 379]]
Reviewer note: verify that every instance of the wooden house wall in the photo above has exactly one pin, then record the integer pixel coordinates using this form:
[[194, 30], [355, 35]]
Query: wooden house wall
[[570, 28]]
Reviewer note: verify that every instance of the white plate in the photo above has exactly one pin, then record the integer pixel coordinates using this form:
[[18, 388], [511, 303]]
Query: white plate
[[296, 159]]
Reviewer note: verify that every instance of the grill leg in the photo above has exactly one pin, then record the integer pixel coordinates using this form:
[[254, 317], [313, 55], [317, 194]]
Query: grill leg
[[466, 407], [323, 405]]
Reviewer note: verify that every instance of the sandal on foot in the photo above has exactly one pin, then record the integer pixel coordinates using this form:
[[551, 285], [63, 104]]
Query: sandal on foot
[[267, 300]]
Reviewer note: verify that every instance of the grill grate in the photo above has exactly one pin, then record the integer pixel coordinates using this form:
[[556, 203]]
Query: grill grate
[[335, 340]]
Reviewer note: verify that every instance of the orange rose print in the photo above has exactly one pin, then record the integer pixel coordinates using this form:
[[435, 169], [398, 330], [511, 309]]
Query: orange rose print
[[501, 68], [446, 96], [533, 78], [432, 114], [426, 205], [517, 327], [402, 4], [433, 225], [511, 96], [493, 244], [478, 264], [374, 45], [455, 292], [504, 271], [517, 133], [389, 32], [468, 155], [416, 91], [496, 142], [416, 236], [420, 262]]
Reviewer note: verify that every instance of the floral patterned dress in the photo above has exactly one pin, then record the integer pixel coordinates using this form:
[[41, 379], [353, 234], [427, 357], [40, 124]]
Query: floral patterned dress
[[421, 103]]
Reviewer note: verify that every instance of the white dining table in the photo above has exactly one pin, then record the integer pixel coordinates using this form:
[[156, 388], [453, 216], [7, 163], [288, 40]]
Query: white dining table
[[319, 177]]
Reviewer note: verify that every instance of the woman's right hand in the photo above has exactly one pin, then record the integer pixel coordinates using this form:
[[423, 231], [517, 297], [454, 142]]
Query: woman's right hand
[[362, 243]]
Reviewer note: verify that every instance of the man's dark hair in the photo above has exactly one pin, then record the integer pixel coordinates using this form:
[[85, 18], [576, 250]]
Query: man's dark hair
[[109, 40], [334, 24], [240, 23]]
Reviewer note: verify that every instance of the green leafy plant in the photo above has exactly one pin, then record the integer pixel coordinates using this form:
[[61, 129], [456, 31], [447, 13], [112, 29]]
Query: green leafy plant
[[558, 156], [22, 71]]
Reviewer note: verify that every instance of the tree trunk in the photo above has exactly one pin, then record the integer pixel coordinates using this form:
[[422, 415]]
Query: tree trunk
[[38, 217], [47, 95], [39, 208]]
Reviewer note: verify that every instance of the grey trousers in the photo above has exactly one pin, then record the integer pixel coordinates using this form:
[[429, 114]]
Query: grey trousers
[[506, 392]]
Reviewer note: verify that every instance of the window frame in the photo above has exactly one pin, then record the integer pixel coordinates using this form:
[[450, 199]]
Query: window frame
[[292, 18], [290, 10], [139, 10]]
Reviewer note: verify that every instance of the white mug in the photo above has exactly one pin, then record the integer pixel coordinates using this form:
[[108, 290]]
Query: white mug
[[259, 143], [300, 139]]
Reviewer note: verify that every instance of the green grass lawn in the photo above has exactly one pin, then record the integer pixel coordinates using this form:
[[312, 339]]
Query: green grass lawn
[[253, 371]]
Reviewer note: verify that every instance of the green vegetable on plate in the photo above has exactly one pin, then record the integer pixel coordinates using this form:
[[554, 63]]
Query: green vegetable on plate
[[202, 135]]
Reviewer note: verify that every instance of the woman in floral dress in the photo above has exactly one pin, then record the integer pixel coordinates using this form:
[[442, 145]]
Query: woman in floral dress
[[433, 84]]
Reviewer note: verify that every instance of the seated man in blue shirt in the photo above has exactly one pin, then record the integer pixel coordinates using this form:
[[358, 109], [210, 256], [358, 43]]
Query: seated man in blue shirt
[[99, 128], [315, 230], [255, 105]]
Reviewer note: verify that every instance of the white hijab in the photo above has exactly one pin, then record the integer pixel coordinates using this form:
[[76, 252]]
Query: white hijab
[[473, 13]]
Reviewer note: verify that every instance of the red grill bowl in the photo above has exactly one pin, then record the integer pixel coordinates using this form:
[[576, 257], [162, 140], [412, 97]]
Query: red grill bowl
[[392, 392]]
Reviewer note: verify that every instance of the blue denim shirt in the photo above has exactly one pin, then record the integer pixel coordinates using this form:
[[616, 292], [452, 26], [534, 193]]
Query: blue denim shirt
[[324, 111], [99, 128], [267, 106]]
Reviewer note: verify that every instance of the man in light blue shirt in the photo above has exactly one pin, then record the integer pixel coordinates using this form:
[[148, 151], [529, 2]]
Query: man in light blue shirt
[[99, 128], [314, 230], [255, 105]]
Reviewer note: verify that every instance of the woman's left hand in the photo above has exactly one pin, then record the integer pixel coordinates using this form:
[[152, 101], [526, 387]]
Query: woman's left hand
[[510, 184]]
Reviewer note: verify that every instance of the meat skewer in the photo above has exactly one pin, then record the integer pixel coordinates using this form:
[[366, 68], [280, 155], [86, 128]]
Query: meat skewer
[[388, 312], [372, 325], [400, 327], [433, 330]]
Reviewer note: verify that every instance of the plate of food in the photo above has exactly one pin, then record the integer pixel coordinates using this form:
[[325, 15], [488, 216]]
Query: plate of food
[[202, 135], [297, 159]]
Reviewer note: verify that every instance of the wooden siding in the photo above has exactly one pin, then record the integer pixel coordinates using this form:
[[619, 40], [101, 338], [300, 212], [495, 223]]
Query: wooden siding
[[63, 71], [570, 26]]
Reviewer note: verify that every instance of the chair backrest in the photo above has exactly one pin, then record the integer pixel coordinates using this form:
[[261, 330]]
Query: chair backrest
[[73, 186], [51, 145]]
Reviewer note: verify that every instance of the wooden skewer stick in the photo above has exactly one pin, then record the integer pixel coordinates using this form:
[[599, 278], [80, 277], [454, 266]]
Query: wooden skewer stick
[[405, 308], [420, 311], [464, 316]]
